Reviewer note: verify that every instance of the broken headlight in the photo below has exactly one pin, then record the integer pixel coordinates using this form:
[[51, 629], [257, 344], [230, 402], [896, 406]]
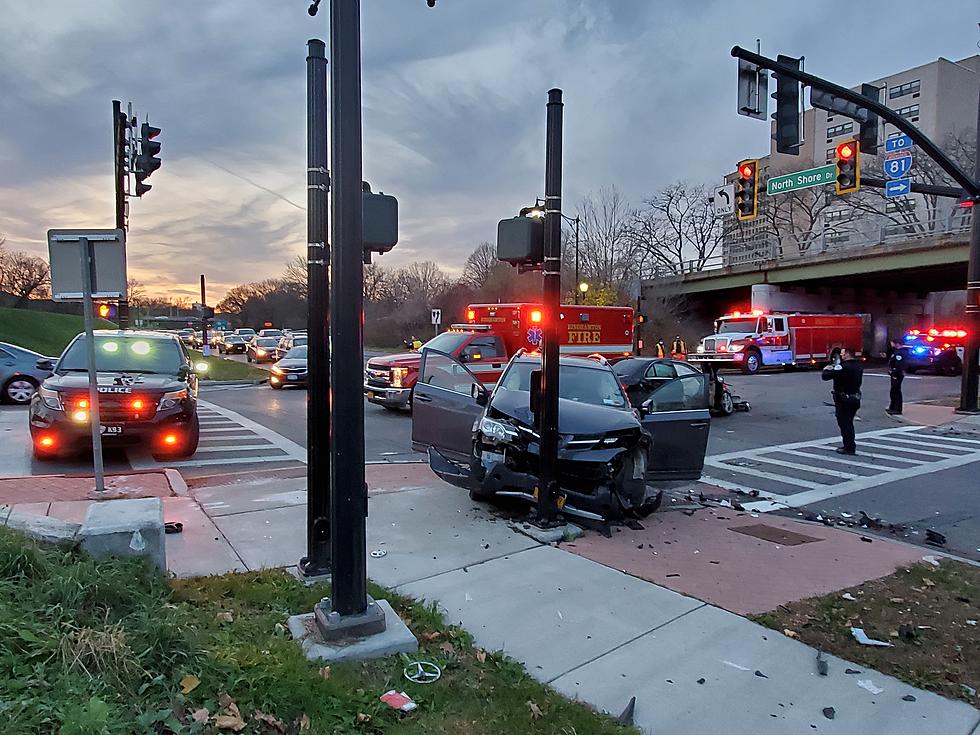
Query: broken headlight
[[496, 431]]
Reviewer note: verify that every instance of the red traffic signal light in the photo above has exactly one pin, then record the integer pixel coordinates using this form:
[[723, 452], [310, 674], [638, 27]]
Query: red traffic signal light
[[845, 151], [746, 170], [747, 190], [103, 310], [848, 161], [107, 311]]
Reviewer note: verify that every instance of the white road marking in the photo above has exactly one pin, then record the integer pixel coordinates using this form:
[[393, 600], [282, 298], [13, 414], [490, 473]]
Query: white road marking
[[839, 458], [862, 452], [882, 442], [949, 450], [807, 467], [294, 450], [755, 472], [947, 438]]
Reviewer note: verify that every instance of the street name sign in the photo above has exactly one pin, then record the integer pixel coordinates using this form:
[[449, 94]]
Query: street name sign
[[801, 180], [897, 167], [898, 143], [724, 200], [898, 188]]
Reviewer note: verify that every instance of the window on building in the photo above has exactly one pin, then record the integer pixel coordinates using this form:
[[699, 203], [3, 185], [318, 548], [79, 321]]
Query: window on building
[[903, 89], [841, 129], [831, 155], [899, 205], [912, 111], [836, 238], [832, 216]]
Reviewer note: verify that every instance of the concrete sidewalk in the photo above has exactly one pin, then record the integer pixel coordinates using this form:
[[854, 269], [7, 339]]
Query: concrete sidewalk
[[587, 629]]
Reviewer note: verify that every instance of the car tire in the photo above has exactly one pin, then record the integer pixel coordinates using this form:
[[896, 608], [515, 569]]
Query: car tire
[[954, 367], [19, 390], [911, 370], [275, 386], [753, 362], [727, 407]]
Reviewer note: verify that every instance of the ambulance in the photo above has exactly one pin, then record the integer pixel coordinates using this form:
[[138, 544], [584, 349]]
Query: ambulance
[[490, 336], [756, 339]]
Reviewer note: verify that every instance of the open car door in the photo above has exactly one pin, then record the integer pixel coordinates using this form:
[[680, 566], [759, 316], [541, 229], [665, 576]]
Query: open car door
[[677, 420], [444, 406]]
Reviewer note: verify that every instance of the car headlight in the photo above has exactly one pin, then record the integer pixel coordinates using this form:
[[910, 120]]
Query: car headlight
[[701, 348], [260, 353], [277, 370], [737, 348], [171, 399], [398, 376], [51, 398], [495, 430]]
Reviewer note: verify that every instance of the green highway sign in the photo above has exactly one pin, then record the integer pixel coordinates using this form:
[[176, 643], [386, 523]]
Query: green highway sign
[[801, 180]]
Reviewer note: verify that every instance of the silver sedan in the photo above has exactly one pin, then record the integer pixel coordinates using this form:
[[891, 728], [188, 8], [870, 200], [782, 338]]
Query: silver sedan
[[19, 374]]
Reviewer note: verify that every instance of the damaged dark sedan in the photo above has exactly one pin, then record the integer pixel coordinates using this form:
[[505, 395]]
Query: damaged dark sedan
[[608, 451]]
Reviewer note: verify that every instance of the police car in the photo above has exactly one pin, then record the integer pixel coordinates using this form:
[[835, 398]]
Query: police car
[[936, 349]]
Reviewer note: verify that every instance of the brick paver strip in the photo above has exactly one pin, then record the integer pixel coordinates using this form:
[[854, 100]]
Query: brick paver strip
[[60, 488]]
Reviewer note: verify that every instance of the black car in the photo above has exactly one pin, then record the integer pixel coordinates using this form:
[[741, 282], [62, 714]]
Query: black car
[[641, 376], [290, 370], [488, 442], [261, 349], [943, 359], [232, 343], [147, 395]]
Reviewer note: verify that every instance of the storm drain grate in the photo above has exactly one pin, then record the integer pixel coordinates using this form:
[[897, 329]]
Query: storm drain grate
[[774, 535]]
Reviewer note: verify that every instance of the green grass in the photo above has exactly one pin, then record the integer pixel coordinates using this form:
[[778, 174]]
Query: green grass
[[220, 368], [42, 331], [101, 648]]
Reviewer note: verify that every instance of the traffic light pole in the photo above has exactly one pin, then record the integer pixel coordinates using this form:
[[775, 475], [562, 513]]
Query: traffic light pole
[[119, 176], [317, 559], [94, 418], [548, 490], [205, 347], [970, 387]]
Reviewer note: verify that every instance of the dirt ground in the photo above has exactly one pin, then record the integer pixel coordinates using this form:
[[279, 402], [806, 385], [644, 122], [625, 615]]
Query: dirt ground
[[930, 615]]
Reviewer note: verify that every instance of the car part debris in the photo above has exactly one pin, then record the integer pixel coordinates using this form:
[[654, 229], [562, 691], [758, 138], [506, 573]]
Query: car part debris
[[173, 527], [861, 637], [399, 701], [422, 672], [906, 632], [869, 685], [626, 716], [870, 522], [930, 559], [852, 671], [848, 596], [829, 712], [934, 538], [760, 674], [822, 667], [701, 680], [908, 698], [378, 553]]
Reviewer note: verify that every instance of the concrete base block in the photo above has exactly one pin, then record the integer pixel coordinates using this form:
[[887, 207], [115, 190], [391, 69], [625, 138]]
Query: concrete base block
[[396, 638], [43, 528], [125, 528], [565, 532]]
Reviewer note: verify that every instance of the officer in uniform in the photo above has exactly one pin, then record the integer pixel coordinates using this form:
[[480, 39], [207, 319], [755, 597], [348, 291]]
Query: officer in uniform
[[847, 372], [678, 349], [896, 374]]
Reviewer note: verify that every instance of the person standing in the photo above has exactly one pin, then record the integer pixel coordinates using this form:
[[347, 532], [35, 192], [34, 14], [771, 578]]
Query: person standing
[[847, 372], [661, 348], [896, 374], [678, 349]]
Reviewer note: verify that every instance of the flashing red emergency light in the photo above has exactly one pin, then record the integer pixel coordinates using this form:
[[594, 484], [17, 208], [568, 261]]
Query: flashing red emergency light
[[470, 314], [170, 439], [137, 404], [46, 441], [536, 316]]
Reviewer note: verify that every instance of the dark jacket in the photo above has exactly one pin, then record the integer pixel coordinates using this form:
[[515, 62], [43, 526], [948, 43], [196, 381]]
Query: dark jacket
[[847, 380], [896, 364]]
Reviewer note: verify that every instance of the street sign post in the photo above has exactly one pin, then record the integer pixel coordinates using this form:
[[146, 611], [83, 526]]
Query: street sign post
[[898, 188], [898, 143], [436, 320], [898, 166], [724, 200], [108, 264], [786, 183]]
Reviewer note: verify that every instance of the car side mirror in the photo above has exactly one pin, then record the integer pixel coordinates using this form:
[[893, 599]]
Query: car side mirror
[[647, 407], [45, 363], [463, 357], [479, 394], [536, 396]]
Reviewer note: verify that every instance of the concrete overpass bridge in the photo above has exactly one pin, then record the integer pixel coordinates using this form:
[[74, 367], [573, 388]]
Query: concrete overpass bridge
[[903, 275]]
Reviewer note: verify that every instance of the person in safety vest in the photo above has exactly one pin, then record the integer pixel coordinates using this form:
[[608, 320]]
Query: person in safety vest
[[678, 349], [661, 348]]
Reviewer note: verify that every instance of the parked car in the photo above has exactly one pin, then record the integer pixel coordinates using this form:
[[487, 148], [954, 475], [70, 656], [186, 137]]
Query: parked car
[[488, 442], [232, 343], [19, 373], [147, 390], [261, 349], [288, 342], [290, 370]]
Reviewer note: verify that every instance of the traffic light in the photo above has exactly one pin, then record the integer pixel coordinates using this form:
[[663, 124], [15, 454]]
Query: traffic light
[[848, 161], [747, 190], [146, 160], [868, 131], [106, 311], [787, 114], [520, 240], [641, 319]]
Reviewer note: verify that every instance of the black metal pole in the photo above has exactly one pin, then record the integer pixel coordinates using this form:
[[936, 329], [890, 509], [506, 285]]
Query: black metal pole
[[971, 358], [204, 320], [348, 502], [119, 125], [547, 510], [576, 259], [317, 559]]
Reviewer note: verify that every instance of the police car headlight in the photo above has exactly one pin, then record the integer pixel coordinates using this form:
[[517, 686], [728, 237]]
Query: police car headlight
[[50, 398], [496, 431], [701, 348], [171, 399]]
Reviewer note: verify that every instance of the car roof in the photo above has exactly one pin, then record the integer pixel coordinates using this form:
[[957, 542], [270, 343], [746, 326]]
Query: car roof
[[18, 348], [131, 333], [577, 361]]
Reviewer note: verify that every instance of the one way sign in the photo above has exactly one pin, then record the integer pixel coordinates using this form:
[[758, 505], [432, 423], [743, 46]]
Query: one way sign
[[898, 188], [724, 199]]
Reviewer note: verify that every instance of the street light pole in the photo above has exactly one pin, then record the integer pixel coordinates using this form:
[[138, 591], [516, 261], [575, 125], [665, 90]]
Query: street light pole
[[576, 258], [970, 387]]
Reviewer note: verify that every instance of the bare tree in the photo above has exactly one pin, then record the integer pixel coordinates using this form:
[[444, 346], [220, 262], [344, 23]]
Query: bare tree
[[480, 264], [421, 280], [676, 229], [379, 284], [24, 276], [606, 243], [295, 274]]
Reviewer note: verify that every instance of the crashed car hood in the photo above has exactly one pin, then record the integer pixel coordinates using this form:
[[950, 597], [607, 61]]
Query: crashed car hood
[[573, 417]]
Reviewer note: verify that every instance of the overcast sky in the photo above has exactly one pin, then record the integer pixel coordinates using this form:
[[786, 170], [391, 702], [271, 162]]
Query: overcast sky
[[454, 110]]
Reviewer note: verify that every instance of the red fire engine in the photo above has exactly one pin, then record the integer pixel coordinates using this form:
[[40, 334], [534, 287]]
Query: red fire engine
[[492, 334], [756, 339]]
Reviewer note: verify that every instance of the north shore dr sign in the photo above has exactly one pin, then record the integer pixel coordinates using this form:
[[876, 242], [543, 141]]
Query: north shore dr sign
[[801, 180]]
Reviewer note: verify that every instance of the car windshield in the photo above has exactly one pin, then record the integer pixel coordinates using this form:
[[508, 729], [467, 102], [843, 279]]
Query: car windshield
[[266, 341], [131, 354], [729, 326], [246, 332], [447, 342], [297, 353], [575, 383], [297, 341], [234, 338]]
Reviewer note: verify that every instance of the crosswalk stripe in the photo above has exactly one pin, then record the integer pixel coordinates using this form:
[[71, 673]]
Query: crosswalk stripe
[[815, 442], [784, 479], [947, 438], [228, 460], [246, 448], [953, 451], [864, 453], [841, 459], [807, 467], [225, 429], [883, 443]]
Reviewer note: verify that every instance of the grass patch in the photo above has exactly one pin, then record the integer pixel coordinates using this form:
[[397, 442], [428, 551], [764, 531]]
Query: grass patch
[[220, 368], [100, 648], [941, 654], [42, 331]]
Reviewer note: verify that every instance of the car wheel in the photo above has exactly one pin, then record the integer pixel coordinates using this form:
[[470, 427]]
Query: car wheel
[[953, 367], [275, 386], [727, 407], [911, 370], [19, 390], [753, 361], [193, 438]]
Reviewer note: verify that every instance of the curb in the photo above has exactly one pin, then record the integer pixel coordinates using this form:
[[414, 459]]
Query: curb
[[211, 383]]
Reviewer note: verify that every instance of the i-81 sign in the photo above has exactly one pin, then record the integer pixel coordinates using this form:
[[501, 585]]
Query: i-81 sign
[[801, 180]]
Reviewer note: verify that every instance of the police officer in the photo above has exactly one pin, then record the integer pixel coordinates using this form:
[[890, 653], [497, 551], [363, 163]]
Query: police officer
[[678, 349], [847, 373], [896, 374], [661, 348]]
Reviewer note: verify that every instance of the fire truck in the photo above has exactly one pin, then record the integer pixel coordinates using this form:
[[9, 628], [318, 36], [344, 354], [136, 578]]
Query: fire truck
[[939, 349], [756, 339], [490, 336]]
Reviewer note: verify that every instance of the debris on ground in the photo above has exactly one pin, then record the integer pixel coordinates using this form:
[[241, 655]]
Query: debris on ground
[[829, 712], [852, 671], [869, 685], [930, 559], [760, 674], [848, 596], [399, 701], [861, 637], [822, 667], [908, 698], [626, 716], [934, 538]]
